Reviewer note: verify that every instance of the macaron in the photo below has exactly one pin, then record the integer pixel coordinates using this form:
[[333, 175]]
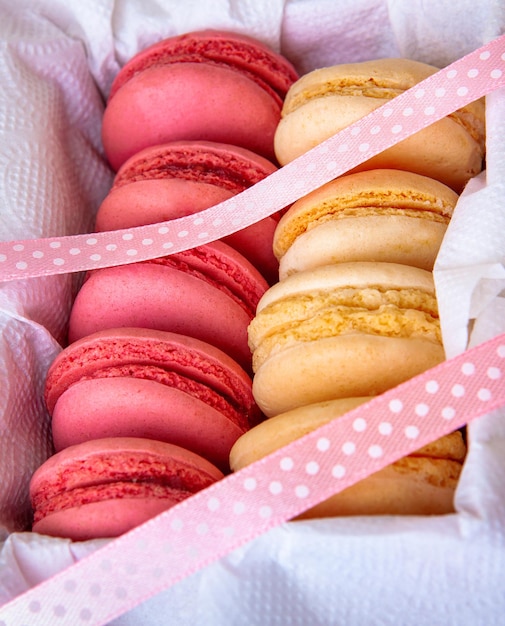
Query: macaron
[[134, 382], [106, 487], [325, 101], [348, 329], [210, 84], [422, 483], [181, 178], [209, 292], [381, 215]]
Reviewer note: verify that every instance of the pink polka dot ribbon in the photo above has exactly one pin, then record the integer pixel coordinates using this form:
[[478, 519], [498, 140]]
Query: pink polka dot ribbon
[[463, 82], [210, 524], [235, 510]]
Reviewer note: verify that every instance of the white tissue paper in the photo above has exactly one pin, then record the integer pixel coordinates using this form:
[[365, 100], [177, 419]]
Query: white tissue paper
[[57, 61]]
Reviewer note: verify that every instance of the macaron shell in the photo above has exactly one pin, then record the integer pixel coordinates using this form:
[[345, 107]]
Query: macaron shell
[[228, 166], [255, 244], [325, 101], [225, 268], [148, 295], [349, 329], [358, 275], [451, 447], [420, 486], [278, 431], [151, 201], [133, 407], [379, 192], [137, 115], [134, 347], [182, 178], [444, 150], [97, 474], [212, 45], [110, 518], [380, 239], [384, 77], [115, 459], [338, 367]]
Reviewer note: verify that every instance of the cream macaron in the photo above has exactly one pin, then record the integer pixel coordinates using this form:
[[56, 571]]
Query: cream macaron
[[326, 100], [380, 215], [348, 329], [422, 483]]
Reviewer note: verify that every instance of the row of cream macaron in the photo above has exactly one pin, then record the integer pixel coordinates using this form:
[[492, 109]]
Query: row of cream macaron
[[355, 310]]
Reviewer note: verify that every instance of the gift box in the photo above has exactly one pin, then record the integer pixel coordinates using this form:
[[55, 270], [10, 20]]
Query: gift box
[[57, 62]]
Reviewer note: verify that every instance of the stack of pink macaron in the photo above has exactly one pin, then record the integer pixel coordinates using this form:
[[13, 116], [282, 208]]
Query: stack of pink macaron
[[155, 385], [355, 310]]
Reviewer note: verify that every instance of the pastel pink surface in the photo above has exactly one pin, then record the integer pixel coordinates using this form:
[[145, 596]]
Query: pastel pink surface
[[104, 487], [174, 102], [109, 518], [225, 165], [136, 407], [97, 355], [180, 178], [226, 268], [152, 201], [255, 243], [209, 293], [214, 84], [218, 46], [147, 295]]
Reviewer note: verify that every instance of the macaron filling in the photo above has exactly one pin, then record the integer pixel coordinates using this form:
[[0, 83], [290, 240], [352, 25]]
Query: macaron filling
[[400, 313], [225, 405], [379, 215], [117, 475], [326, 212], [203, 164], [369, 89], [217, 271], [443, 473], [261, 65], [171, 362], [374, 87]]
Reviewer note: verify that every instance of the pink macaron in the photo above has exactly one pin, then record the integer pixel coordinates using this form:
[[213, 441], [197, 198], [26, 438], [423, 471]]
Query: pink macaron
[[210, 84], [106, 487], [209, 292], [134, 382], [181, 178]]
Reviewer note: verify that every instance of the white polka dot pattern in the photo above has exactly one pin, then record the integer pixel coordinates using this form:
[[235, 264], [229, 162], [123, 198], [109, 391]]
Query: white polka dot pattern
[[465, 81], [215, 521]]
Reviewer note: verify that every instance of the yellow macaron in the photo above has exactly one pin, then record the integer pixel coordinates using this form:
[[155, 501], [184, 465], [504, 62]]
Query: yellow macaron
[[422, 483], [326, 100], [348, 329], [379, 215]]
